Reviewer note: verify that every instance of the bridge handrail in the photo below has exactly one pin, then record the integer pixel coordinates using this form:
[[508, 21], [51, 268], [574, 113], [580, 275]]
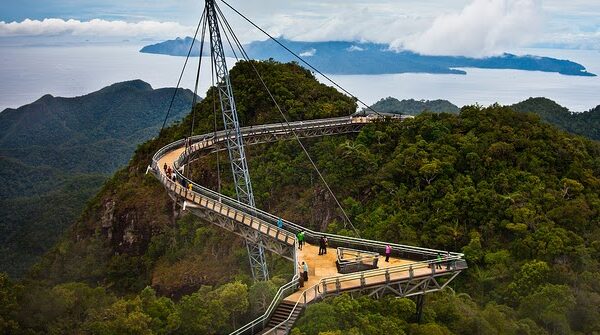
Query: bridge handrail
[[265, 215], [219, 136], [355, 255], [272, 219]]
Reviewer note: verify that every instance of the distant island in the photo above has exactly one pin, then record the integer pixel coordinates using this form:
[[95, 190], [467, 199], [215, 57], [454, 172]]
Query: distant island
[[176, 47], [337, 57]]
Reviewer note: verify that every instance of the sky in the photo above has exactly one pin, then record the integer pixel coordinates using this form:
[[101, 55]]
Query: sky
[[437, 27]]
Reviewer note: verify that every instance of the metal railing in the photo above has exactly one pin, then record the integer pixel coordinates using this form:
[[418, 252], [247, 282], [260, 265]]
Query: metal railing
[[352, 260], [403, 272], [207, 198]]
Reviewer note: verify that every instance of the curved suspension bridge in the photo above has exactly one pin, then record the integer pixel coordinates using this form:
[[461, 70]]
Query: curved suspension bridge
[[355, 267], [412, 271]]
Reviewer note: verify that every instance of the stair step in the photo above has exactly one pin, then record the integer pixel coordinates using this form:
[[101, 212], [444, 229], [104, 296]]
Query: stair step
[[283, 311]]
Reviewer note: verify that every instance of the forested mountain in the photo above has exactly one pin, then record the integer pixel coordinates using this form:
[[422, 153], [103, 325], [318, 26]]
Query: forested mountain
[[586, 123], [518, 196], [413, 107], [55, 153]]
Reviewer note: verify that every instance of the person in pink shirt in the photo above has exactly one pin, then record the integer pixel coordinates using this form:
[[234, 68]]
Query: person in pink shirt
[[388, 252]]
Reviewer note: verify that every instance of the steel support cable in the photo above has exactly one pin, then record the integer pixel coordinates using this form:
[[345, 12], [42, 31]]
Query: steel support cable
[[226, 36], [182, 71], [213, 88], [300, 58], [245, 55], [195, 98]]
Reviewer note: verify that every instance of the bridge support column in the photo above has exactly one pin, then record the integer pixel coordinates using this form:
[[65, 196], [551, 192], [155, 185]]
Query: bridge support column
[[258, 263], [420, 300]]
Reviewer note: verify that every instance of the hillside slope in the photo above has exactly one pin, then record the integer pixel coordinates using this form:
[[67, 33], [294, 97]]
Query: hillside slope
[[56, 152], [585, 124]]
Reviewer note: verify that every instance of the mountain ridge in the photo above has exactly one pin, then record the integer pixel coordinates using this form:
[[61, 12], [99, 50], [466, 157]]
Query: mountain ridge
[[47, 145]]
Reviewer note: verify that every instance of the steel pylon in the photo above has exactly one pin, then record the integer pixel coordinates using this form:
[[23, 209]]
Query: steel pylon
[[235, 142]]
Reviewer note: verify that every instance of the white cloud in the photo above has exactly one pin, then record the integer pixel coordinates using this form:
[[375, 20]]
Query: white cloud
[[572, 40], [95, 27], [355, 48], [309, 53], [482, 28]]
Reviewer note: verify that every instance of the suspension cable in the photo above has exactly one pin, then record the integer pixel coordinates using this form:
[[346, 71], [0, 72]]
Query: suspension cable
[[245, 55], [195, 98], [213, 89], [300, 58], [227, 37], [182, 71]]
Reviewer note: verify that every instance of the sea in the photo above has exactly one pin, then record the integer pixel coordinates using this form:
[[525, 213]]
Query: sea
[[29, 72]]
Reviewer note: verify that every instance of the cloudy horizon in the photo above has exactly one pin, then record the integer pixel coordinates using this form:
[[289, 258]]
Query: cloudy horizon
[[441, 27]]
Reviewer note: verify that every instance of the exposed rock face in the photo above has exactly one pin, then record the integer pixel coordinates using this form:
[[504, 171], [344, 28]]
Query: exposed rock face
[[324, 206], [107, 218]]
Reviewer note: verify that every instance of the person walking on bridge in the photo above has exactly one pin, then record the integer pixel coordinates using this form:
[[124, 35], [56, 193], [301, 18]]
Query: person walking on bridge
[[322, 246], [280, 223], [300, 237], [305, 271], [388, 252]]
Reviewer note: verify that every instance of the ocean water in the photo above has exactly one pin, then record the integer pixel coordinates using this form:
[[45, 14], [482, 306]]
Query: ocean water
[[27, 73]]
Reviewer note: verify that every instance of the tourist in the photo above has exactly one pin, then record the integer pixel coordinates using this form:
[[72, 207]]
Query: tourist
[[165, 167], [279, 223], [305, 271], [388, 252], [301, 279], [321, 245], [300, 237], [438, 265]]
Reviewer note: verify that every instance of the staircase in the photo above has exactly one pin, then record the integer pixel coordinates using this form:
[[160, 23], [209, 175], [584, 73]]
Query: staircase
[[281, 314]]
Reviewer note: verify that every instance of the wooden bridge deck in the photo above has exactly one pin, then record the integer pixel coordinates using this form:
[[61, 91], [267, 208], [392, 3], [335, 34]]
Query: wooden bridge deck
[[323, 266]]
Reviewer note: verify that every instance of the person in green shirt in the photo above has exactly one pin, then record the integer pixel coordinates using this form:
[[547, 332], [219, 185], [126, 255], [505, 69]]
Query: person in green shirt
[[300, 239]]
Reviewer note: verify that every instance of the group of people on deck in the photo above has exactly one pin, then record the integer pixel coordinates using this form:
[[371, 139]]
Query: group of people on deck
[[169, 172]]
